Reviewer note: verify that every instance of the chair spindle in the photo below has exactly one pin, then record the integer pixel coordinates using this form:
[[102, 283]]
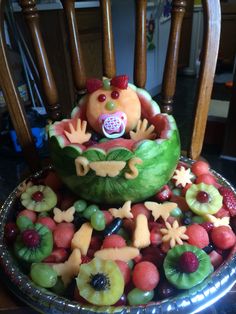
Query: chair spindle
[[30, 13], [171, 64], [140, 56]]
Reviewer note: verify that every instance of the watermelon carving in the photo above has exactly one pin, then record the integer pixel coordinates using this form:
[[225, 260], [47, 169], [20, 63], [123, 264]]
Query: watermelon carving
[[118, 169]]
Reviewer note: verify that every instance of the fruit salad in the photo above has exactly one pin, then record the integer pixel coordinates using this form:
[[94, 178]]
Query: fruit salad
[[129, 254]]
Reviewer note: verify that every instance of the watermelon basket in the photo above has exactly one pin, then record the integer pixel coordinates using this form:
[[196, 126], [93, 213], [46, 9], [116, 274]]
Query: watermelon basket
[[119, 169]]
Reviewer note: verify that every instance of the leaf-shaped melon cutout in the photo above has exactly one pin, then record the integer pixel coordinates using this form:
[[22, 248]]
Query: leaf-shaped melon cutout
[[119, 154], [95, 154]]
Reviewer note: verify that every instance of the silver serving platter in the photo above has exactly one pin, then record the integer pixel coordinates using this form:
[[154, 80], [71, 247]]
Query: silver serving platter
[[42, 300]]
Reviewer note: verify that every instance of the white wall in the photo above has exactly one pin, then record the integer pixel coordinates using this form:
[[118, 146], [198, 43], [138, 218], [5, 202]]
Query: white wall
[[123, 15]]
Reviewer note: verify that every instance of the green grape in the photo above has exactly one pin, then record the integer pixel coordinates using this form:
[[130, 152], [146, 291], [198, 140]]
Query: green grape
[[91, 209], [43, 275], [137, 296], [80, 206], [106, 84], [198, 219], [98, 220], [177, 192], [176, 212], [122, 232], [24, 223], [131, 264], [110, 105], [59, 288]]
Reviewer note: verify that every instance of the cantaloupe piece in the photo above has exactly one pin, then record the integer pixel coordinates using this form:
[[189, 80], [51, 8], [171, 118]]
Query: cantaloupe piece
[[141, 236], [82, 238], [123, 254], [70, 268]]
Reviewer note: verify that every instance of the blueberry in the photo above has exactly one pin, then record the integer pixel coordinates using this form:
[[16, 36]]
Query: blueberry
[[209, 248]]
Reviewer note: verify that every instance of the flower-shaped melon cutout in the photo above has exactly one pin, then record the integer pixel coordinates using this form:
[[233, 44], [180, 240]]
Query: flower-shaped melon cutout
[[64, 215], [160, 210], [174, 233], [183, 176], [122, 212], [217, 222]]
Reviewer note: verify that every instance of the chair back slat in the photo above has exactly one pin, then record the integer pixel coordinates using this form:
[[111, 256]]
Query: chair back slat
[[15, 106], [49, 87], [108, 51], [78, 68], [211, 39], [171, 63], [140, 55]]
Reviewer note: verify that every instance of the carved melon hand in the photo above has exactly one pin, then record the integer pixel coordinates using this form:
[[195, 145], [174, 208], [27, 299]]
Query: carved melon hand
[[78, 135], [142, 131]]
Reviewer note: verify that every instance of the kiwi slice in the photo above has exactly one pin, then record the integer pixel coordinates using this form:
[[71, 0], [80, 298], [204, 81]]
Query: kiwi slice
[[39, 198], [100, 282], [34, 244], [203, 199], [183, 280]]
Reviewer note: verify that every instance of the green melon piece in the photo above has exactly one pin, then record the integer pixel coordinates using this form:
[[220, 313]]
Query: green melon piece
[[186, 280], [100, 282], [35, 254], [211, 207]]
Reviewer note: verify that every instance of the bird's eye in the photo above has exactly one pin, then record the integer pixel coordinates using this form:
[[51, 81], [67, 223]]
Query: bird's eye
[[101, 97], [115, 94]]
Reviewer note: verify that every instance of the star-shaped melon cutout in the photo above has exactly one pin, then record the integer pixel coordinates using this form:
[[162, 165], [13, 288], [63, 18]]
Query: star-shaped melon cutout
[[174, 234], [218, 221], [160, 210], [183, 176], [122, 212]]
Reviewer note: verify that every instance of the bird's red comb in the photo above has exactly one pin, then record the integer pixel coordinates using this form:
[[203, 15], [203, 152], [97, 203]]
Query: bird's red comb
[[120, 81], [93, 84]]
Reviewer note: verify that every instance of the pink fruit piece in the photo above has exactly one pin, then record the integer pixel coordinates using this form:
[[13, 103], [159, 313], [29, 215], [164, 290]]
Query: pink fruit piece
[[85, 259], [164, 194], [58, 255], [145, 276], [63, 234], [229, 200], [108, 217], [208, 226], [29, 214], [188, 262], [198, 236], [125, 270], [216, 259], [95, 243], [48, 222], [222, 212], [154, 255], [200, 167], [223, 237], [113, 241], [155, 236], [206, 178], [140, 209]]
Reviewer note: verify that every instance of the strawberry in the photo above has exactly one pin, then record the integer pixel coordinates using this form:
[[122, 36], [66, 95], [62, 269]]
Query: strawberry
[[120, 81], [93, 84], [229, 200]]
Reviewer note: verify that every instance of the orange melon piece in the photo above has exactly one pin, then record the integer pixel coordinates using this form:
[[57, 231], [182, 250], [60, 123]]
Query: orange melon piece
[[70, 268], [82, 238], [141, 236], [123, 254]]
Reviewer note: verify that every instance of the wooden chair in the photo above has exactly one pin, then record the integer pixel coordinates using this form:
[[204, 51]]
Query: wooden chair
[[212, 19]]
